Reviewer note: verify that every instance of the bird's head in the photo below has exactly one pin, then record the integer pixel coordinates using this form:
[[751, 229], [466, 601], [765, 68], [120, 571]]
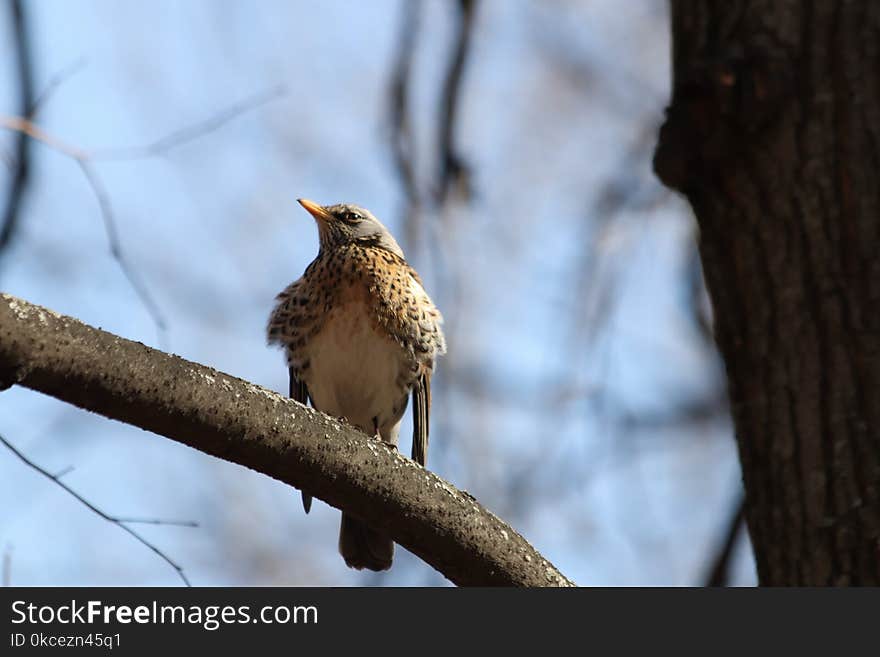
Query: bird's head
[[343, 224]]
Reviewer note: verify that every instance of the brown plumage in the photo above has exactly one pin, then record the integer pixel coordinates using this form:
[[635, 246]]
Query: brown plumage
[[361, 335]]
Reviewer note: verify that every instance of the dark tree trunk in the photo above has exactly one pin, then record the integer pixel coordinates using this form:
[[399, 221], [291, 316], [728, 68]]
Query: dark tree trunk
[[773, 135]]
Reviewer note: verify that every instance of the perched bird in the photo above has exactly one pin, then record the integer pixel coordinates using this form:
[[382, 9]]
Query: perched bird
[[361, 335]]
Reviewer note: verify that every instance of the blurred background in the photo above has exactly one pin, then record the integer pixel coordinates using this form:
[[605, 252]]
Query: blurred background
[[506, 143]]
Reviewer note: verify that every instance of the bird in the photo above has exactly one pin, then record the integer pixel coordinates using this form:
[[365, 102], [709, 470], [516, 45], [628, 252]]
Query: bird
[[361, 336]]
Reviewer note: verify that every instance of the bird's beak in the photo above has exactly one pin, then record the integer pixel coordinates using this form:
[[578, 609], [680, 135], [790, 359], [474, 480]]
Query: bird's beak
[[319, 213]]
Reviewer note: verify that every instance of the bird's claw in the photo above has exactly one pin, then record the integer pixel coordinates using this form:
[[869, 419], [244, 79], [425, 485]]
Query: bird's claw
[[380, 439]]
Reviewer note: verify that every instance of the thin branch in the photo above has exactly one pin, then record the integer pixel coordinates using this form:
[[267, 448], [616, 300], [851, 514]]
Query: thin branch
[[116, 252], [719, 572], [25, 126], [243, 423], [402, 138], [54, 83], [713, 405], [453, 169], [156, 521], [21, 160], [191, 132], [81, 157], [697, 297], [112, 519], [63, 471]]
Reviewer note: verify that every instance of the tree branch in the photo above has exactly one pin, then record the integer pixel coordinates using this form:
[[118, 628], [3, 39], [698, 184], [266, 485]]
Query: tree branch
[[52, 86], [403, 141], [453, 169], [119, 522], [255, 427], [21, 160], [719, 571], [190, 132]]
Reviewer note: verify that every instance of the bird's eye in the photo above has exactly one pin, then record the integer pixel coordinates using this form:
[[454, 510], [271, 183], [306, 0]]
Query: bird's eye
[[351, 217]]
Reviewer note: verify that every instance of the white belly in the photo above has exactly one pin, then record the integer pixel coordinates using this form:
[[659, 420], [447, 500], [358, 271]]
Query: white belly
[[354, 372]]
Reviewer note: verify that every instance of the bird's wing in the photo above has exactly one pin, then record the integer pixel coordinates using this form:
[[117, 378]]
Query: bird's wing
[[421, 396], [300, 393]]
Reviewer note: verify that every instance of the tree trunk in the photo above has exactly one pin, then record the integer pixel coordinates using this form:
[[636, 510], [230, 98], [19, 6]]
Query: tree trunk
[[773, 135]]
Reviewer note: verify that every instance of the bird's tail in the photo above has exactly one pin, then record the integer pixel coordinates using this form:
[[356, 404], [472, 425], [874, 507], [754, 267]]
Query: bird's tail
[[362, 547]]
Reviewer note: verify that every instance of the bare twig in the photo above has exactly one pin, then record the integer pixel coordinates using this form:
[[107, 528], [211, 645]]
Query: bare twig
[[191, 132], [20, 160], [719, 572], [156, 521], [402, 138], [265, 431], [26, 127], [453, 169], [713, 405], [697, 296], [63, 471], [81, 157], [52, 86], [110, 229], [119, 522]]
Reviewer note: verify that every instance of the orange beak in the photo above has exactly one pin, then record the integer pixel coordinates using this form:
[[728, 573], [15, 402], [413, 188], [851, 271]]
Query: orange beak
[[319, 213]]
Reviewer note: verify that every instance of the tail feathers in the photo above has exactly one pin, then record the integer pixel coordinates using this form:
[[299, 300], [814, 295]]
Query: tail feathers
[[362, 547], [307, 502], [421, 396]]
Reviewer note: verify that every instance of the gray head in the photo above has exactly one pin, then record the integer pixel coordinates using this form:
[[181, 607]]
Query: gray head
[[346, 224]]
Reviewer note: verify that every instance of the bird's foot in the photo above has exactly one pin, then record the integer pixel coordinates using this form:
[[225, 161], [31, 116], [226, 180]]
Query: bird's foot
[[377, 436], [380, 439]]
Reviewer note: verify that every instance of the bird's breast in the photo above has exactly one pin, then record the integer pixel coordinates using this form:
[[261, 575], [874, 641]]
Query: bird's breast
[[355, 370]]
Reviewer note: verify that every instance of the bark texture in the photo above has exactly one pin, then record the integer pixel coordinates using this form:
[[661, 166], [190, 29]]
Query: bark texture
[[255, 427], [773, 135]]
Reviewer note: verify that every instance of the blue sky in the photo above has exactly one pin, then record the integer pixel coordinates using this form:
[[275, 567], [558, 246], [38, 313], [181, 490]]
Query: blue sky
[[556, 95]]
